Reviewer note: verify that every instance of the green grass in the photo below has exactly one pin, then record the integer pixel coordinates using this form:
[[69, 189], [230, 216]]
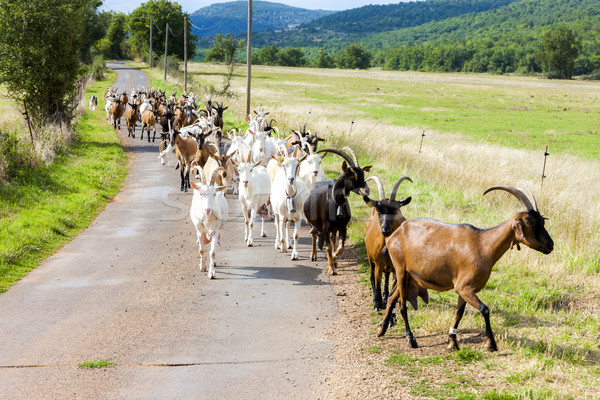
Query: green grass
[[508, 111], [49, 205], [96, 364]]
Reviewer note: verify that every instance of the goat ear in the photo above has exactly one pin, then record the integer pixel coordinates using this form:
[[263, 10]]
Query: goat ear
[[369, 202], [344, 165], [303, 158], [406, 201], [518, 228], [367, 168], [225, 108], [194, 185], [256, 164]]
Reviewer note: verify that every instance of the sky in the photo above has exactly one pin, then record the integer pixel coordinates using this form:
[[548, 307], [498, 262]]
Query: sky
[[190, 6]]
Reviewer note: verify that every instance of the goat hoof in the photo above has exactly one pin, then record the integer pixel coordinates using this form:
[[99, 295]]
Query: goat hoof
[[381, 329], [412, 342], [452, 343], [263, 234], [491, 345]]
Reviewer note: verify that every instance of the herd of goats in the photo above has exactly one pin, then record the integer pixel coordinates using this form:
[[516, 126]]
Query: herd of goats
[[281, 176]]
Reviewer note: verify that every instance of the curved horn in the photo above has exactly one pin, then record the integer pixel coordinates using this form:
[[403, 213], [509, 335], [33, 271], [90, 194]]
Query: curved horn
[[397, 184], [214, 175], [339, 153], [201, 173], [379, 186], [529, 195], [349, 150], [518, 193]]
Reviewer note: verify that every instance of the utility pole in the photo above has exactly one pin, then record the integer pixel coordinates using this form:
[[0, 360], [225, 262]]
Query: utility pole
[[166, 49], [151, 41], [185, 54], [248, 59]]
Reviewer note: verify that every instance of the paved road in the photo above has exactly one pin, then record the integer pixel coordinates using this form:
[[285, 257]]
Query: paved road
[[129, 290]]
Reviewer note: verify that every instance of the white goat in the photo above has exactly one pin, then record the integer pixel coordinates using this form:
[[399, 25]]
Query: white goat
[[288, 195], [110, 99], [311, 171], [239, 152], [263, 148], [145, 106], [93, 102], [208, 213], [254, 191]]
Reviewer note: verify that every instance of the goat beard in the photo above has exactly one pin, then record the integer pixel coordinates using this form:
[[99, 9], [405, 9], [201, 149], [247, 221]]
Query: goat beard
[[515, 243]]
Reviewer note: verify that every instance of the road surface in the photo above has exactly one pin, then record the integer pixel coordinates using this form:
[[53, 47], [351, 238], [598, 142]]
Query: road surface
[[129, 290]]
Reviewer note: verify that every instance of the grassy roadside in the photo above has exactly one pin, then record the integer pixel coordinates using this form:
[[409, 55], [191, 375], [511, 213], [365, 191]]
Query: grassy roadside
[[45, 207]]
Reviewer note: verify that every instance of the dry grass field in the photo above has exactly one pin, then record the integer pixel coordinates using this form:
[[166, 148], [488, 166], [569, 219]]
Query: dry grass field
[[480, 130]]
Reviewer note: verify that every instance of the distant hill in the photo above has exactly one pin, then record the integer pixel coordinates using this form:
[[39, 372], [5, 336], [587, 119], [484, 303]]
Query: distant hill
[[498, 36], [232, 17], [372, 19]]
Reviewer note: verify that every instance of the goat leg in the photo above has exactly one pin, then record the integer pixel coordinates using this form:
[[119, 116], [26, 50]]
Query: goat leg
[[391, 304], [313, 251], [202, 264], [375, 285], [403, 282], [250, 241], [213, 250], [458, 314], [296, 234], [277, 235], [471, 298], [281, 225], [287, 234], [331, 261]]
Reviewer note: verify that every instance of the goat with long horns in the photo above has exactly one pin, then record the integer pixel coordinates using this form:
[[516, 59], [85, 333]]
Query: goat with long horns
[[327, 209]]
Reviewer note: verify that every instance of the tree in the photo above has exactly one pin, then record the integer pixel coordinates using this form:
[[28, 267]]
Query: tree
[[559, 50], [292, 57], [40, 45], [224, 48], [324, 60], [95, 27], [354, 56], [268, 55], [112, 45], [162, 11]]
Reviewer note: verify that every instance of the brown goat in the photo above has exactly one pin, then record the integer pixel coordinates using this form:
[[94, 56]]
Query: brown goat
[[186, 150], [131, 117], [385, 218], [116, 113], [148, 121], [460, 257]]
